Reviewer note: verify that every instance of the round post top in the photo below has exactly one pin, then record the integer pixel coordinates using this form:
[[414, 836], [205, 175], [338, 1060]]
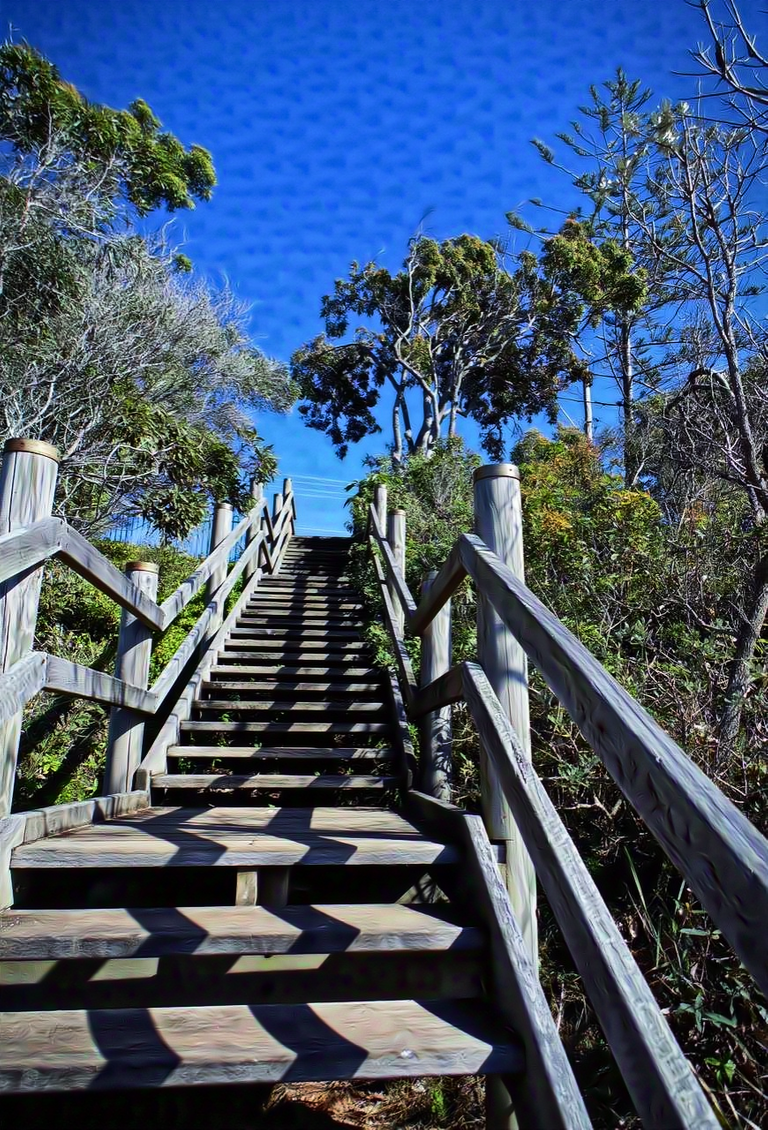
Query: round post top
[[399, 512], [223, 505], [34, 447], [142, 567], [497, 471]]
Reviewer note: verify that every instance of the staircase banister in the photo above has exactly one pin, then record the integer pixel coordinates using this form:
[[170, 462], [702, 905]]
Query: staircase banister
[[189, 588], [659, 1078], [29, 546], [91, 564], [394, 574], [402, 659], [722, 855]]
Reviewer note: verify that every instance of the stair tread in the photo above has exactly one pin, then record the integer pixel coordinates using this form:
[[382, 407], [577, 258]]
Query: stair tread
[[273, 781], [343, 753], [266, 644], [239, 837], [279, 671], [291, 687], [252, 706], [108, 1048], [152, 932], [217, 727]]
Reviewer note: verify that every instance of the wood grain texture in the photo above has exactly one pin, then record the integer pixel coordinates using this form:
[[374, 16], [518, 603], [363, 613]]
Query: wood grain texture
[[402, 738], [218, 782], [660, 1080], [446, 582], [86, 560], [436, 768], [24, 548], [189, 588], [723, 857], [155, 932], [396, 540], [266, 753], [221, 528], [405, 673], [27, 486], [499, 522], [392, 570], [22, 682], [547, 1094], [41, 823], [66, 677], [11, 835], [125, 738], [173, 1047]]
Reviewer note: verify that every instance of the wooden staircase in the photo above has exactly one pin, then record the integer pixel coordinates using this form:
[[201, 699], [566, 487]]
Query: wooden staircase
[[272, 916]]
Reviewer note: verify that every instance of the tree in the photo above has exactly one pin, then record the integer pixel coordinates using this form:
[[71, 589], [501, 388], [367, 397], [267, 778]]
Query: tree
[[452, 334], [112, 350], [614, 141], [713, 241], [739, 68], [119, 154]]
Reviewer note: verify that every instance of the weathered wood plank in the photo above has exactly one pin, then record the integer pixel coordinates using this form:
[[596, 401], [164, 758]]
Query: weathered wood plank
[[499, 522], [66, 677], [27, 484], [279, 671], [547, 1094], [443, 691], [394, 575], [189, 588], [173, 1047], [22, 682], [722, 856], [402, 659], [435, 729], [442, 589], [41, 823], [286, 727], [86, 560], [38, 935], [257, 706], [223, 782], [24, 548], [658, 1077], [288, 752]]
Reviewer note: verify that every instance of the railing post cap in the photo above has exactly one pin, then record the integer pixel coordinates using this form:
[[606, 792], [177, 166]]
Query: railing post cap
[[224, 505], [34, 447], [497, 471], [399, 511], [142, 567]]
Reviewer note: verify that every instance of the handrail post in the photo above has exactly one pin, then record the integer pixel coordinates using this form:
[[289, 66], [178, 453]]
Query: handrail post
[[257, 493], [277, 509], [222, 525], [499, 522], [396, 539], [27, 487], [435, 728], [134, 651], [288, 494], [380, 505]]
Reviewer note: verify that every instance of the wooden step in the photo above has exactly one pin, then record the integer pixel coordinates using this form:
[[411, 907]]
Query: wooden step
[[300, 633], [293, 614], [244, 838], [351, 674], [174, 1047], [248, 706], [343, 659], [265, 643], [216, 727], [289, 753], [271, 782], [291, 687], [314, 604], [38, 935]]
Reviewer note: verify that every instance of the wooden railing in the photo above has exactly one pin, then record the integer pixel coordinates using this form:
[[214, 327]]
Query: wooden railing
[[723, 857], [31, 536]]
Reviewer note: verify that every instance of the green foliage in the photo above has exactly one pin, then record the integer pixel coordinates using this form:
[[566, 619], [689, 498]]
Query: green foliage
[[135, 160]]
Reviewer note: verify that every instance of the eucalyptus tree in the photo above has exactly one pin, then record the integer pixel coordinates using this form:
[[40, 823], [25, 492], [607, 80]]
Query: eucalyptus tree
[[452, 334]]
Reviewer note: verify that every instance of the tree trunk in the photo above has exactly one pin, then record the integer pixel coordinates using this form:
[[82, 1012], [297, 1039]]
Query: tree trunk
[[587, 390], [752, 622], [627, 395]]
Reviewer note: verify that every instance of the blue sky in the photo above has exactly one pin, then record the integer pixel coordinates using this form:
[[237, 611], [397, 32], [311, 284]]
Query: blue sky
[[337, 127]]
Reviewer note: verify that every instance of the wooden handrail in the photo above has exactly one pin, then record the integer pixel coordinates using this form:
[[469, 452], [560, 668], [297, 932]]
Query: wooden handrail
[[29, 546], [662, 1084]]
